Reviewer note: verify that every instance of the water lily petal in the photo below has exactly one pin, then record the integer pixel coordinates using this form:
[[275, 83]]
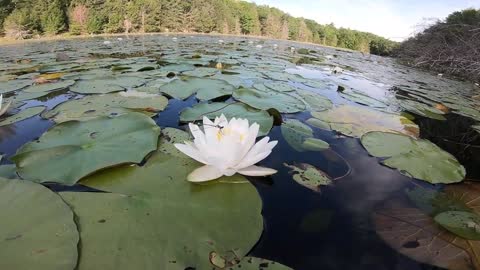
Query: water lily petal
[[257, 171], [250, 160], [5, 107], [197, 132], [204, 173], [191, 151], [261, 149]]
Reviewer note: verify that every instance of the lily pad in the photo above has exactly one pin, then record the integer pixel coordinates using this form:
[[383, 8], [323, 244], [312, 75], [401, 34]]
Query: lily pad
[[419, 159], [113, 104], [315, 102], [463, 224], [104, 86], [145, 201], [280, 86], [230, 110], [22, 115], [309, 176], [364, 99], [8, 171], [95, 144], [201, 72], [283, 102], [47, 87], [206, 89], [300, 137], [43, 236], [422, 109], [318, 123], [355, 121], [14, 85]]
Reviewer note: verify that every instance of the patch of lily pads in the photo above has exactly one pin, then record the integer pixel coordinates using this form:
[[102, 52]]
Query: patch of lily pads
[[205, 88]]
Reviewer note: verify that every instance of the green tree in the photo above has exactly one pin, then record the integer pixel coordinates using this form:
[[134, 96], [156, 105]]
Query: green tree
[[53, 20]]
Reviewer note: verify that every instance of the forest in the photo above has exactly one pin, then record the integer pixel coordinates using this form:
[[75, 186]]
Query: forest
[[450, 46], [21, 19]]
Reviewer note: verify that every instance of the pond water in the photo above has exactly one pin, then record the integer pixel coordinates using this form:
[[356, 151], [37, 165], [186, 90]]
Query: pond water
[[352, 223]]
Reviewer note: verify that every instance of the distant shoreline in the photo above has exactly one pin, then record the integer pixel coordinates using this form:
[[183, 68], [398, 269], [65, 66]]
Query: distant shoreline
[[6, 41]]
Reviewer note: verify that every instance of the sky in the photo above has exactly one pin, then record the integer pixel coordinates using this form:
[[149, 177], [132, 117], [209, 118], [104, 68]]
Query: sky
[[393, 19]]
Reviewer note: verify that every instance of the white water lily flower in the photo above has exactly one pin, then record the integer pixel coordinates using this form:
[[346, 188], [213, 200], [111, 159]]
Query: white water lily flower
[[227, 148], [3, 108]]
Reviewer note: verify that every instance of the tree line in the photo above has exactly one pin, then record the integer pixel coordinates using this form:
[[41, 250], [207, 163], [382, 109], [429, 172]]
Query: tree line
[[26, 18], [450, 46]]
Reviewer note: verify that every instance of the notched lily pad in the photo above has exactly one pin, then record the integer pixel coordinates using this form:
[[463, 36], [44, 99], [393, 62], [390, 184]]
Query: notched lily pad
[[47, 87], [419, 159], [463, 224], [91, 145]]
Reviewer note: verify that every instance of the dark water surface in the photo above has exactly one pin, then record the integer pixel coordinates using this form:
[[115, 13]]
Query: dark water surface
[[331, 229]]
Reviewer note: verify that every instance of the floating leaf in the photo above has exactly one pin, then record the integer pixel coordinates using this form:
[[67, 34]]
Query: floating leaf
[[38, 230], [355, 121], [284, 103], [230, 110], [463, 224], [422, 109], [95, 144], [47, 87], [309, 176], [201, 72], [207, 88], [155, 202], [14, 85], [279, 86], [300, 137], [364, 99], [104, 86], [419, 159], [8, 171], [113, 104], [315, 102], [22, 115], [318, 123]]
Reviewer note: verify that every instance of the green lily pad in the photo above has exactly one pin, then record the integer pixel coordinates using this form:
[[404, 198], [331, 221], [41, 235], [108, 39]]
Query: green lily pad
[[201, 72], [171, 136], [14, 85], [318, 123], [95, 144], [463, 224], [104, 86], [422, 109], [312, 144], [8, 171], [300, 137], [48, 87], [361, 98], [22, 115], [206, 89], [113, 104], [22, 96], [419, 159], [230, 110], [309, 176], [43, 235], [355, 121], [283, 102], [315, 102], [153, 206], [280, 86]]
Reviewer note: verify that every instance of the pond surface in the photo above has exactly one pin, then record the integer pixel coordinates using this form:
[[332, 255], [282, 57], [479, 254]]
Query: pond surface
[[343, 225]]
